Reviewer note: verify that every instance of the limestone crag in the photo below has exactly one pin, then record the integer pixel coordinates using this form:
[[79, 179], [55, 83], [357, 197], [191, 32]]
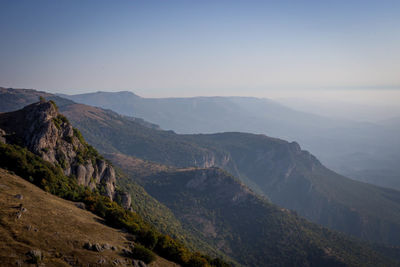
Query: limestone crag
[[45, 132]]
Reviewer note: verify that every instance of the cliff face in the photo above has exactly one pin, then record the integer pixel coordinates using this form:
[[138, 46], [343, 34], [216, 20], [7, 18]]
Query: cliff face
[[296, 180], [45, 132]]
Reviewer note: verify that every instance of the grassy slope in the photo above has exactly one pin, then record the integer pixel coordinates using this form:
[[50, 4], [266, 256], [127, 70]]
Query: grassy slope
[[56, 221]]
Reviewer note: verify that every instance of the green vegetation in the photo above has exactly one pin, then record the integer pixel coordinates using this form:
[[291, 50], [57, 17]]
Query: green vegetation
[[256, 232], [51, 179], [144, 254], [60, 120]]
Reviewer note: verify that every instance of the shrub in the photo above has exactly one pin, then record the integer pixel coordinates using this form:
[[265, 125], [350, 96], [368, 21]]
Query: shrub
[[143, 254]]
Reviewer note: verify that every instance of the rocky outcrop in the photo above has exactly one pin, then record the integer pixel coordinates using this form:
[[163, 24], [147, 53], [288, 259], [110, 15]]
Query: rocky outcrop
[[47, 133], [2, 136], [126, 200]]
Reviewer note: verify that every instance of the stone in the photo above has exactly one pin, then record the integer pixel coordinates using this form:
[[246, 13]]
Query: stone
[[126, 200], [97, 247], [116, 262], [2, 136], [19, 196], [106, 246]]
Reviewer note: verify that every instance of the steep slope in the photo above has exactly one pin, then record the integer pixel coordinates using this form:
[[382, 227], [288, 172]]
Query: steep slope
[[58, 238], [230, 216], [295, 179], [348, 147]]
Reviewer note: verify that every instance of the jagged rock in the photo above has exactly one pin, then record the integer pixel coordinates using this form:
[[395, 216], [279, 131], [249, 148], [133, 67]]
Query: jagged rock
[[19, 196], [18, 215], [101, 261], [47, 133], [126, 200]]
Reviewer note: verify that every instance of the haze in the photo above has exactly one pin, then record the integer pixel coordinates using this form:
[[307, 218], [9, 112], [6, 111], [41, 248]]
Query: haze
[[187, 48]]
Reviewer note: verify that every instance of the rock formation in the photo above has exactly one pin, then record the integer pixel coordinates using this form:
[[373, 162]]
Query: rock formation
[[47, 133]]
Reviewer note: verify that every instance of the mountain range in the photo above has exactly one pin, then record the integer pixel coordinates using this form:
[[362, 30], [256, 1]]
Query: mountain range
[[189, 181], [361, 150]]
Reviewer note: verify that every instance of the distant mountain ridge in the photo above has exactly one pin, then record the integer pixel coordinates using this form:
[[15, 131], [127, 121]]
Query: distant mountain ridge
[[334, 141]]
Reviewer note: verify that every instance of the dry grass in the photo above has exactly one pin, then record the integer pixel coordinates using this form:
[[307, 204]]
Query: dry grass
[[56, 227]]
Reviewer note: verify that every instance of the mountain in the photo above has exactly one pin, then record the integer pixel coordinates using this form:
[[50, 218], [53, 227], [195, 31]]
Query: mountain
[[238, 221], [40, 145], [115, 132], [280, 170], [60, 239], [349, 147], [295, 179]]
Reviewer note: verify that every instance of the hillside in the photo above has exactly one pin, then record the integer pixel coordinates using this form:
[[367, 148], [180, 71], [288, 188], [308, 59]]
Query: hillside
[[273, 167], [39, 143], [280, 170], [350, 148], [295, 179], [233, 218], [58, 238]]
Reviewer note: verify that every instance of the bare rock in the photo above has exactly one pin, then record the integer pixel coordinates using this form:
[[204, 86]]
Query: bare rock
[[19, 196], [106, 246], [97, 247], [2, 136]]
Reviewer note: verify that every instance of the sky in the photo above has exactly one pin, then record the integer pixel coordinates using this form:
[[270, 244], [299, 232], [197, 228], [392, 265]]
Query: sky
[[190, 48]]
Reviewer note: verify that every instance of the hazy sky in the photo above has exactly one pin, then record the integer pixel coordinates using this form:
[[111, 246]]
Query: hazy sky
[[185, 48]]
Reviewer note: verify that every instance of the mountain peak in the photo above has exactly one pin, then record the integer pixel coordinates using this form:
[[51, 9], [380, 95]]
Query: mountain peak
[[48, 134]]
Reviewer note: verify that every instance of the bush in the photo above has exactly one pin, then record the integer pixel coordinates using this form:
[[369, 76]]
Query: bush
[[143, 254]]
